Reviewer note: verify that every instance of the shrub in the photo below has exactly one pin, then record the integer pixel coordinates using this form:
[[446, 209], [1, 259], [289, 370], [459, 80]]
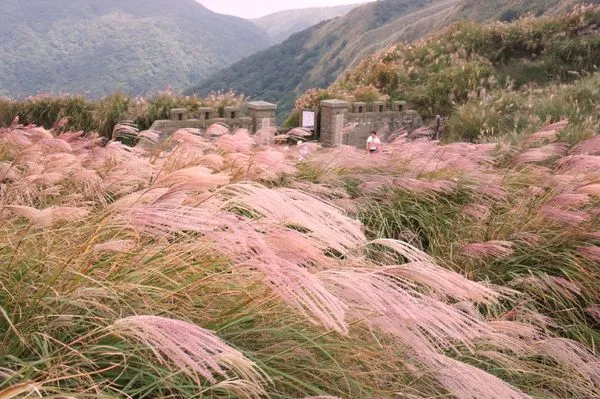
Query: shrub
[[367, 94], [506, 111], [509, 15], [103, 115]]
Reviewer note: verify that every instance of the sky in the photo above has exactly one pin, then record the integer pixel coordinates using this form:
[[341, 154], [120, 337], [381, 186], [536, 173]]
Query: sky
[[259, 8]]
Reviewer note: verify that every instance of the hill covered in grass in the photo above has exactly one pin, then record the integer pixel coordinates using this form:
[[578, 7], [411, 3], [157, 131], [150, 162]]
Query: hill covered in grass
[[209, 265], [508, 74], [96, 47], [317, 56], [283, 24], [507, 11]]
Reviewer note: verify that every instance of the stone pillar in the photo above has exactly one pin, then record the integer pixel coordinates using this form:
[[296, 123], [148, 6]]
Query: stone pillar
[[178, 114], [263, 114], [378, 106], [399, 106], [333, 115], [359, 107]]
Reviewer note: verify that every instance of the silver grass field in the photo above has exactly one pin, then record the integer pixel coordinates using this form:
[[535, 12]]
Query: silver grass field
[[209, 266]]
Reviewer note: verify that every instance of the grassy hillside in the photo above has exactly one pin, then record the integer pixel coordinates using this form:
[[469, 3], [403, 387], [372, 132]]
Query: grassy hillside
[[508, 11], [219, 268], [99, 46], [318, 56], [498, 68], [283, 24]]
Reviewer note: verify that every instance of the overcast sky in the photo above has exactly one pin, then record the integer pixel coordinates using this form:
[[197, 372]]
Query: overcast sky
[[258, 8]]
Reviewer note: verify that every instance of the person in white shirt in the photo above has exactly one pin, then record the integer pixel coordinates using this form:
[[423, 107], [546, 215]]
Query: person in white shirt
[[303, 150], [373, 143]]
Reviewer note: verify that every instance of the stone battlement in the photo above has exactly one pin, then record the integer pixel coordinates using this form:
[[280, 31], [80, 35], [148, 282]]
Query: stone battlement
[[340, 122], [259, 115], [344, 123]]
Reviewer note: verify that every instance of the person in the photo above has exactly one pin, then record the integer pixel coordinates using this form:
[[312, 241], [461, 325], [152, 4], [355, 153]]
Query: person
[[373, 143], [303, 150]]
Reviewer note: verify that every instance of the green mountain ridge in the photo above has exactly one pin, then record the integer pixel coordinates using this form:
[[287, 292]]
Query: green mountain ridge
[[316, 57], [99, 46]]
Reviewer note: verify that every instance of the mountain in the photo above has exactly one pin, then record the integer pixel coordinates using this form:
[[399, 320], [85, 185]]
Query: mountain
[[488, 79], [317, 56], [98, 46], [283, 24]]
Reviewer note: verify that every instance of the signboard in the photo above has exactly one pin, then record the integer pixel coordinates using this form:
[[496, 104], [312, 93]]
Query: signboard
[[307, 119]]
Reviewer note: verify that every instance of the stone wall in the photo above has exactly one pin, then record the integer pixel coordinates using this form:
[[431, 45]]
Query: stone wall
[[358, 126], [168, 127], [260, 115], [343, 123]]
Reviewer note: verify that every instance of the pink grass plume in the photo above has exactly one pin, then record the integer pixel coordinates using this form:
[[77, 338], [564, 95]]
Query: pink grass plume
[[487, 250], [191, 349]]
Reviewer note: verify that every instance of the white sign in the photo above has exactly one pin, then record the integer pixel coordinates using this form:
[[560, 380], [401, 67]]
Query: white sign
[[308, 119]]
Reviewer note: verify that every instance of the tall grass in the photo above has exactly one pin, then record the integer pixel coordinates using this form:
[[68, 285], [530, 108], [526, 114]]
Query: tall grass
[[209, 266], [515, 221], [101, 116], [509, 115]]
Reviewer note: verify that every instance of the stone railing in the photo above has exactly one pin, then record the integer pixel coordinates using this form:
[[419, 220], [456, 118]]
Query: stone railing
[[341, 122], [258, 115]]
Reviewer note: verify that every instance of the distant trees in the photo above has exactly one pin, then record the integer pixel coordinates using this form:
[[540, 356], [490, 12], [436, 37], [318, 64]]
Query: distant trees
[[386, 10]]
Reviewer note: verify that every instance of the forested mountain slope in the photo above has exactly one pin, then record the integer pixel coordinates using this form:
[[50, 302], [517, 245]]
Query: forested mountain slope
[[283, 24], [95, 47], [482, 10]]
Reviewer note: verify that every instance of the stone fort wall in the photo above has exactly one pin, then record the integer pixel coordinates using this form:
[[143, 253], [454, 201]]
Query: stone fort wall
[[258, 115], [344, 123], [341, 122]]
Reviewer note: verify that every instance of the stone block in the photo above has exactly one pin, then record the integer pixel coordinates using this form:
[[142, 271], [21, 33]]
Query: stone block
[[399, 106], [232, 112], [178, 114], [263, 114], [262, 106], [335, 104], [359, 107], [378, 106], [206, 113], [333, 116]]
